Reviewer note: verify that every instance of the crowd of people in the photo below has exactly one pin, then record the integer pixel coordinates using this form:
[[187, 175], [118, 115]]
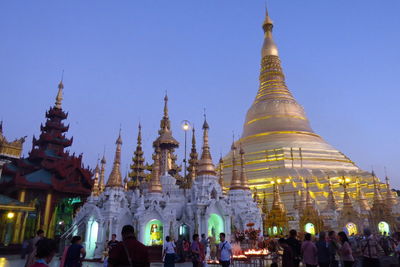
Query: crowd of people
[[327, 249], [331, 249]]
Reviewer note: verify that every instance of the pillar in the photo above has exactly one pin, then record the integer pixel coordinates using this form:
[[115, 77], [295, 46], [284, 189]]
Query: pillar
[[47, 215], [22, 234], [18, 225]]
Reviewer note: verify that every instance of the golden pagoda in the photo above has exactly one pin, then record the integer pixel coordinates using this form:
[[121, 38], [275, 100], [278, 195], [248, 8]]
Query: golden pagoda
[[279, 143]]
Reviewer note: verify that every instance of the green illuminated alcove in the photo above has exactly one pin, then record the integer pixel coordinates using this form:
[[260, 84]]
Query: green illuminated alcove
[[153, 233], [383, 228], [215, 226], [310, 228]]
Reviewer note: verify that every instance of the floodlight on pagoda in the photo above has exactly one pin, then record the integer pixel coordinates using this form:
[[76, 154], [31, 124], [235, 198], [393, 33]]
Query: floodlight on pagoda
[[279, 180], [287, 180], [10, 215]]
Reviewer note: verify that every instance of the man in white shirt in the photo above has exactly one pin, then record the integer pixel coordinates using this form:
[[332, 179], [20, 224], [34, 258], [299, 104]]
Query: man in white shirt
[[224, 251]]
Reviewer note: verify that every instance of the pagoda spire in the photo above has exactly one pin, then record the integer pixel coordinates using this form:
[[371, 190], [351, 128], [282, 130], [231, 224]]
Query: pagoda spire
[[269, 46], [115, 178], [221, 174], [96, 188], [277, 202], [391, 198], [235, 182], [193, 162], [243, 177], [295, 204], [137, 173], [331, 201], [102, 174], [155, 183], [206, 166], [265, 204], [309, 202], [361, 199], [59, 96], [167, 144], [274, 109], [346, 197], [378, 199], [165, 123]]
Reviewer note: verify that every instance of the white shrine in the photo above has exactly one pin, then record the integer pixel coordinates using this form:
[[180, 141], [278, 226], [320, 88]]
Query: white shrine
[[163, 203]]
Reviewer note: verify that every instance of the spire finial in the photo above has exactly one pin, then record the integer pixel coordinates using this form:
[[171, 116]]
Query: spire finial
[[269, 47], [59, 96], [155, 183], [235, 181], [205, 163], [115, 178], [166, 104], [243, 176]]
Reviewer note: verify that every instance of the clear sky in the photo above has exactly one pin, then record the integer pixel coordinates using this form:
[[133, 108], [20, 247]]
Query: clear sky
[[341, 59]]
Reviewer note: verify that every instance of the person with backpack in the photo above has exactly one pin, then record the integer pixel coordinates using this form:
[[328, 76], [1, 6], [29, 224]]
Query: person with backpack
[[371, 250], [224, 251]]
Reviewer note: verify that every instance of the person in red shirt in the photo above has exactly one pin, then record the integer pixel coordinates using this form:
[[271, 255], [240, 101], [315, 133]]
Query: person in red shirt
[[45, 251], [129, 252]]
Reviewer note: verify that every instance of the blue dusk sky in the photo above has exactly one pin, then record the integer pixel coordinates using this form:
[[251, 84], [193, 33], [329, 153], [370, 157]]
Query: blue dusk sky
[[341, 59]]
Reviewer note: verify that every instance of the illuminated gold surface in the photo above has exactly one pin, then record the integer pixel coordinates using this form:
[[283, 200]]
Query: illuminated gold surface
[[279, 143]]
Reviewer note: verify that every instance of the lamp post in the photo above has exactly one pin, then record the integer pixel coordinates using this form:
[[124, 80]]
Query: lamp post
[[185, 127]]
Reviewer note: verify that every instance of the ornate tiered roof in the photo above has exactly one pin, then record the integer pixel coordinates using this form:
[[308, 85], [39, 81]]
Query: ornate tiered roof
[[49, 166]]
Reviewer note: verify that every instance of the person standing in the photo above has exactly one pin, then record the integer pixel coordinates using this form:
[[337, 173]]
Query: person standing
[[169, 252], [323, 251], [205, 244], [224, 251], [45, 251], [75, 253], [333, 247], [195, 248], [112, 243], [345, 251], [32, 247], [295, 245], [287, 256], [371, 250], [186, 249], [129, 252], [309, 251]]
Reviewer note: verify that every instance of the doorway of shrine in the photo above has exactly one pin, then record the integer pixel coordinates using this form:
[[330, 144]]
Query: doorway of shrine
[[383, 228], [309, 228], [154, 233], [215, 226], [184, 232], [351, 229], [91, 237]]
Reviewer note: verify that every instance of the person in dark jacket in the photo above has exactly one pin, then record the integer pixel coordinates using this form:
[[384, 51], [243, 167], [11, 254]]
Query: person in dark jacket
[[287, 256], [137, 256], [323, 251], [295, 245], [333, 246]]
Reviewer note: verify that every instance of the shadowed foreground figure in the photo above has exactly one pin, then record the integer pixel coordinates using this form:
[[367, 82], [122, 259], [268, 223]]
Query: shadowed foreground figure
[[45, 251], [129, 252]]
